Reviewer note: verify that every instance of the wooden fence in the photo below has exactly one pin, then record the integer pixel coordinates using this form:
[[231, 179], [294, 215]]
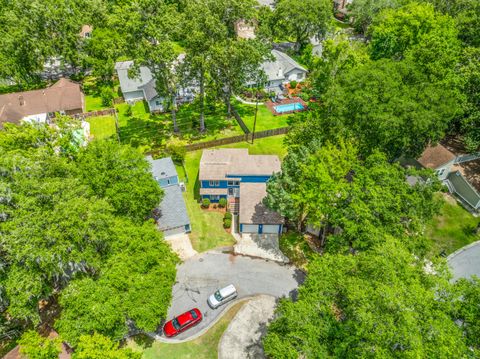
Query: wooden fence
[[248, 137], [108, 111]]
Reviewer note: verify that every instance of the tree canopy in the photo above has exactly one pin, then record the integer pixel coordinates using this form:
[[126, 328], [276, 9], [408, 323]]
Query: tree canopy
[[74, 226]]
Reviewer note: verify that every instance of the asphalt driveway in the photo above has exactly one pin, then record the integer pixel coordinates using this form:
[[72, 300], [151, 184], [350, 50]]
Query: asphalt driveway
[[466, 261], [200, 276]]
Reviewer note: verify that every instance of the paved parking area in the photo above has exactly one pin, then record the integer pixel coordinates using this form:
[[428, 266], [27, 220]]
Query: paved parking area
[[200, 276], [466, 261]]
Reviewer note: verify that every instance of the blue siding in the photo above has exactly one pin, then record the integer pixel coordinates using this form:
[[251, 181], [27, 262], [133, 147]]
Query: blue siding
[[213, 200], [251, 179], [164, 182], [206, 184]]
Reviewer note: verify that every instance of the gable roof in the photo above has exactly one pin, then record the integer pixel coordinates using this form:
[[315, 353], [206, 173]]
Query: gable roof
[[281, 65], [435, 156], [217, 164], [252, 210], [64, 95], [162, 167], [128, 84]]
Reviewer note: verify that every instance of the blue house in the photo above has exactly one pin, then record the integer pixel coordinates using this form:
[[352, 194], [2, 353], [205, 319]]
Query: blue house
[[171, 215], [241, 178]]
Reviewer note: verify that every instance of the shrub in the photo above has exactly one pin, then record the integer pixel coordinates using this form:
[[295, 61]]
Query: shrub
[[129, 111], [222, 202], [227, 223], [107, 96], [205, 203], [177, 151], [293, 84], [228, 215]]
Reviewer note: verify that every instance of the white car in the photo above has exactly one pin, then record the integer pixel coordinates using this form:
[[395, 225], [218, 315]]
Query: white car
[[222, 296]]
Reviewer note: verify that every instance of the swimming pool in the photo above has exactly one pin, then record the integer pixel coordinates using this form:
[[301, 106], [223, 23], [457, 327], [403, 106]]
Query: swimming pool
[[297, 106]]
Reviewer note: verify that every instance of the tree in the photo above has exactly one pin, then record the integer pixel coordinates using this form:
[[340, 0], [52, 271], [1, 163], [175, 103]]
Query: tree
[[384, 105], [364, 11], [97, 346], [121, 175], [378, 303], [134, 287], [354, 202], [67, 222], [34, 346], [303, 19]]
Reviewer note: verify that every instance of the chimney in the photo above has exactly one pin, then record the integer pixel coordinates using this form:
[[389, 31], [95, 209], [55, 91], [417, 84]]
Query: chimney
[[20, 99]]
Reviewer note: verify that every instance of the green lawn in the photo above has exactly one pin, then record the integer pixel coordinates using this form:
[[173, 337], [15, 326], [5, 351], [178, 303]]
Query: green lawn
[[204, 347], [207, 227], [93, 100], [452, 229], [148, 131], [265, 118], [264, 146], [102, 127], [94, 103]]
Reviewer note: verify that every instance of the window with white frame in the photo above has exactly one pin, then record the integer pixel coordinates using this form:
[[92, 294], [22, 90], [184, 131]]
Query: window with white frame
[[214, 183]]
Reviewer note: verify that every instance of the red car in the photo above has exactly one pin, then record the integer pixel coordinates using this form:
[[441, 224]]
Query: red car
[[182, 322]]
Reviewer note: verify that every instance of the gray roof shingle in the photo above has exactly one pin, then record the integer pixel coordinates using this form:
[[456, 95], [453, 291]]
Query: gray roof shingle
[[252, 209], [172, 210], [162, 167]]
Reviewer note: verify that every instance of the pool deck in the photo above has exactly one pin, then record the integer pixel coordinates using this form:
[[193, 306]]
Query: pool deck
[[271, 105]]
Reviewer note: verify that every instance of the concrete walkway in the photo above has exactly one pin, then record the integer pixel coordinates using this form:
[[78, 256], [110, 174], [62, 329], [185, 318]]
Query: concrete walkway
[[242, 339], [238, 98], [181, 245], [466, 261]]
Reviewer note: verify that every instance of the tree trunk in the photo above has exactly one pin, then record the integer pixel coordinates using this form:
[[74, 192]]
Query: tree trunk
[[174, 112], [202, 102], [229, 103]]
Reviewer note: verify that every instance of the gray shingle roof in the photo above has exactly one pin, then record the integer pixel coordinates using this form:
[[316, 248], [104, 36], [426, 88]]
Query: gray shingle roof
[[173, 212], [252, 210], [216, 164], [280, 66], [128, 84], [163, 167]]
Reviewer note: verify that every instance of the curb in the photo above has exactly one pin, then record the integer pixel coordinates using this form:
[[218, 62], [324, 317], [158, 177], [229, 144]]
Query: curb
[[463, 249], [204, 330]]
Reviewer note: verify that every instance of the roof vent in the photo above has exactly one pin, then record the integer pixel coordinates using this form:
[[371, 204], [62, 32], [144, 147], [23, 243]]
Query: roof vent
[[162, 173]]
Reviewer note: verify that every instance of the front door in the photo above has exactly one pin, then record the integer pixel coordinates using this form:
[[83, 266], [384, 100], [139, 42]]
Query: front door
[[230, 191]]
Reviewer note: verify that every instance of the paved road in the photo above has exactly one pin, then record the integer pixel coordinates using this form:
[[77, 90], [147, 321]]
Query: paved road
[[466, 261], [200, 276]]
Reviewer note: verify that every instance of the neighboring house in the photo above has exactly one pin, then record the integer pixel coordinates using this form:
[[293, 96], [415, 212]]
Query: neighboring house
[[171, 216], [341, 7], [64, 97], [281, 71], [449, 169], [142, 87], [241, 178]]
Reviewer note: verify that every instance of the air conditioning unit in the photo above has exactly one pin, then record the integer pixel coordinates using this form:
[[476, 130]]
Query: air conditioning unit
[[182, 186]]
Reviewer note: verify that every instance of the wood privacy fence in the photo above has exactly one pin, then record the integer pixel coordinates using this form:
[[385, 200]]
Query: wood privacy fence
[[108, 111], [247, 137]]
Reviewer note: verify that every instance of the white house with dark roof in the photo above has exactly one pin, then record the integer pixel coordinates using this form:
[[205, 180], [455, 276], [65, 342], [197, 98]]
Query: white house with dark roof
[[281, 71], [171, 215], [143, 87], [241, 178]]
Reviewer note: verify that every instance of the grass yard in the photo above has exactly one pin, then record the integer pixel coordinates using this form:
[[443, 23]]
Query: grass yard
[[264, 146], [452, 229], [148, 131], [102, 127], [207, 227], [265, 118], [205, 347], [93, 100], [94, 103]]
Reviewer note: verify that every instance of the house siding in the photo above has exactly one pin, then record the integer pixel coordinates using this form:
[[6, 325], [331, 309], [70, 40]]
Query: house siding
[[214, 198], [206, 184], [133, 96], [154, 107], [251, 179]]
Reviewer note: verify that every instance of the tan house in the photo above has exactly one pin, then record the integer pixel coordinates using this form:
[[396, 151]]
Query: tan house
[[65, 97], [245, 29]]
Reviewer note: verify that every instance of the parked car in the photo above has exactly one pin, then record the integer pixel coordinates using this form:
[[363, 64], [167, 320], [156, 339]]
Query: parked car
[[182, 322], [222, 296]]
